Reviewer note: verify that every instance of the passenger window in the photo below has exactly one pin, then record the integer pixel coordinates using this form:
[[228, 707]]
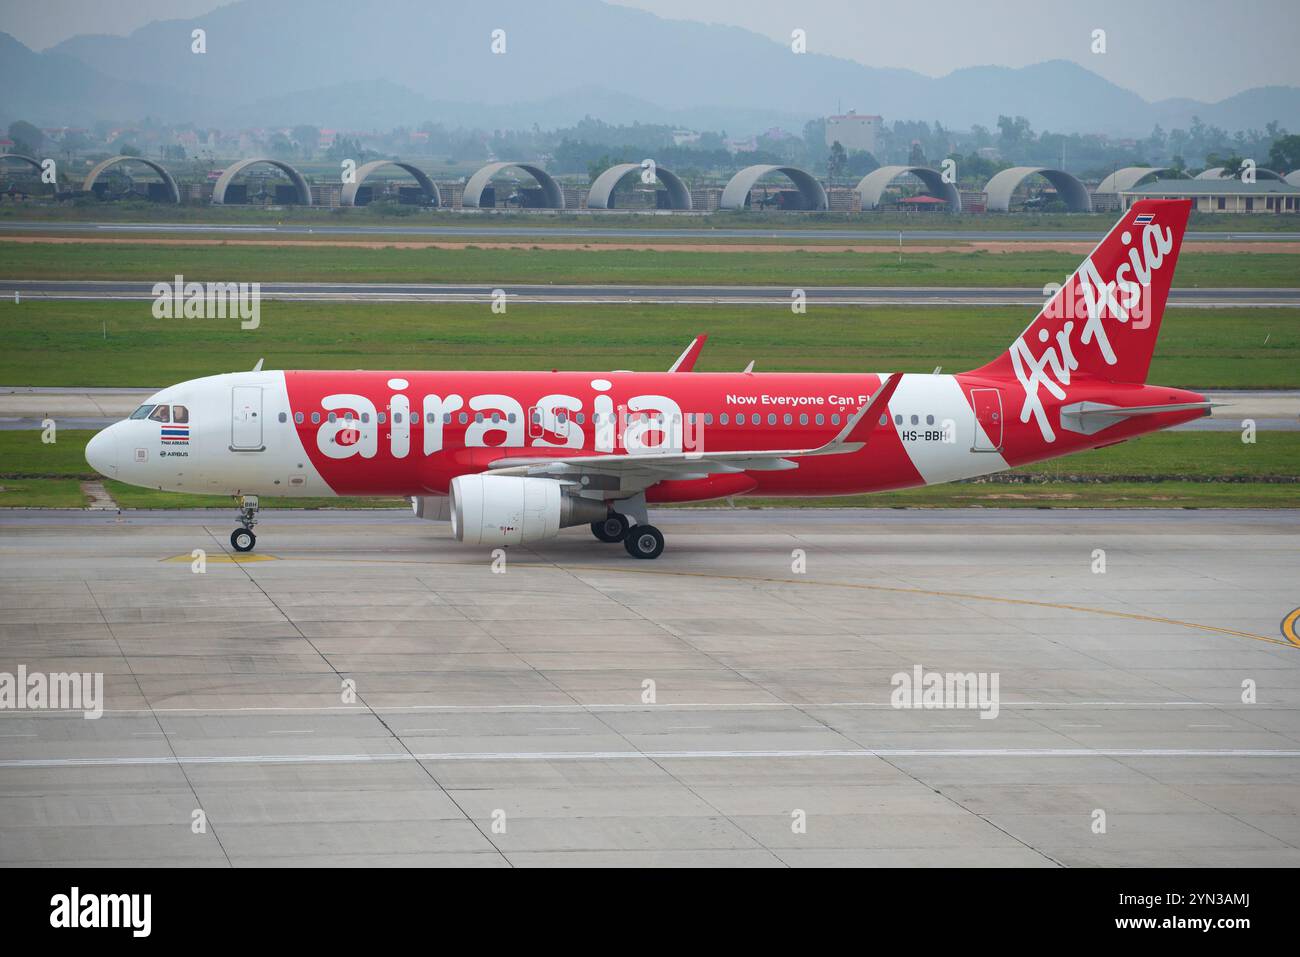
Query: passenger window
[[581, 417], [446, 418], [771, 418], [916, 420], [283, 417], [142, 412], [708, 418], [496, 417], [723, 418], [803, 418], [884, 417], [788, 419], [821, 419], [181, 414], [332, 417], [160, 414], [297, 418], [365, 417], [835, 419], [464, 417], [929, 420], [397, 418], [478, 417], [898, 419], [510, 418], [315, 418], [381, 417]]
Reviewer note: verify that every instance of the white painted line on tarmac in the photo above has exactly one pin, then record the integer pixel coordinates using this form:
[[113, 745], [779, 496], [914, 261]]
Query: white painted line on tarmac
[[506, 756]]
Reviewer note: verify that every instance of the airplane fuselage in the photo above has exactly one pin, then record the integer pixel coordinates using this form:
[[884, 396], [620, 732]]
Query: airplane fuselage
[[300, 434]]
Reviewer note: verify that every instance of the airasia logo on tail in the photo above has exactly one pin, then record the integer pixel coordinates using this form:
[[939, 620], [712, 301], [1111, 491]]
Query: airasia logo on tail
[[1096, 301]]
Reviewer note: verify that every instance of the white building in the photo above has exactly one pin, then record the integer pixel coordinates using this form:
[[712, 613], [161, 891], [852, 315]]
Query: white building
[[854, 131]]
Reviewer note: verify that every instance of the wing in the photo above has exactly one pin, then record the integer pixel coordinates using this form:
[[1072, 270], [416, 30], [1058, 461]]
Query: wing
[[637, 471], [686, 361]]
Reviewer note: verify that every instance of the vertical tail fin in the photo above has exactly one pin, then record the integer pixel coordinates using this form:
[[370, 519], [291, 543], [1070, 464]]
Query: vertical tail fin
[[1104, 321]]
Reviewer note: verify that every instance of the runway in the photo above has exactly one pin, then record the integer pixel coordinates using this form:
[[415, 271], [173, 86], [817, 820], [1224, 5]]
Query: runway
[[27, 407], [475, 226], [717, 706], [17, 290]]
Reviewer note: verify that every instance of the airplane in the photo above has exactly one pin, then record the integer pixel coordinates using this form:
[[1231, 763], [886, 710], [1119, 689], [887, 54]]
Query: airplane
[[514, 457]]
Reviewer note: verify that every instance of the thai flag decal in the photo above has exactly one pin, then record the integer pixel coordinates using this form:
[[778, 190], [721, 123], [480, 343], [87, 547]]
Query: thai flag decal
[[1146, 219], [176, 433]]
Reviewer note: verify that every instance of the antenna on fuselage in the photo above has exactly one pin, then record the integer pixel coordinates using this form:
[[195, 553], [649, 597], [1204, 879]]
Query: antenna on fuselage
[[258, 367]]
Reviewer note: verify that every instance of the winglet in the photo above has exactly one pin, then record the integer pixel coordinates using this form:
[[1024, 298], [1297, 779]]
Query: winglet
[[865, 421], [686, 361]]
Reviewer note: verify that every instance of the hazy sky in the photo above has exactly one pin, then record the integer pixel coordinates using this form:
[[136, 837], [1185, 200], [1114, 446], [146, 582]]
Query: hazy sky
[[1205, 49]]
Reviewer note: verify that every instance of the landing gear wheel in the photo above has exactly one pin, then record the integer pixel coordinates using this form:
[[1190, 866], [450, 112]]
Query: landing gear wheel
[[242, 540], [611, 529], [644, 541]]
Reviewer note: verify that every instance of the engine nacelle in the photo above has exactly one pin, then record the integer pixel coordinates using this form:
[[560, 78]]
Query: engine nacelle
[[511, 509], [431, 508]]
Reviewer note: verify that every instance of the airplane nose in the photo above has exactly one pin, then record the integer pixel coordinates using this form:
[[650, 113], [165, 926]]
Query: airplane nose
[[102, 453]]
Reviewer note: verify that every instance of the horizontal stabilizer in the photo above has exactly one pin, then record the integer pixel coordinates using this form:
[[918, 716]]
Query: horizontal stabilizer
[[1089, 418]]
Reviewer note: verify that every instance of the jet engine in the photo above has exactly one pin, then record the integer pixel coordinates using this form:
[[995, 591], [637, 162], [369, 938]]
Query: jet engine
[[510, 510], [431, 508]]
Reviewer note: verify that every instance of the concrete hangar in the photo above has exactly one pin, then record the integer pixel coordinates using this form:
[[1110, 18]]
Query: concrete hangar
[[747, 188]]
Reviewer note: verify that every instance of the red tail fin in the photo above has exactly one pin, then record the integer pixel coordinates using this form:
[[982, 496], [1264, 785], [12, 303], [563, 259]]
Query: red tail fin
[[1105, 319]]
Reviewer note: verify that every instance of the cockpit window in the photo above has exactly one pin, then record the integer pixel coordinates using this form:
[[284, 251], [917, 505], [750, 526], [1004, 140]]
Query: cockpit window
[[141, 412], [180, 413], [160, 414]]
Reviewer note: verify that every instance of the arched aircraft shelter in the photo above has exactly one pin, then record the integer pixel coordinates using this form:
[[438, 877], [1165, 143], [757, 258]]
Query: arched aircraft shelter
[[230, 172], [872, 186], [1003, 184], [170, 183], [473, 194], [735, 195], [602, 190], [349, 195]]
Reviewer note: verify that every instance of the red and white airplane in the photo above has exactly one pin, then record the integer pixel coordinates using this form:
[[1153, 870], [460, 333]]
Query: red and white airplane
[[513, 457]]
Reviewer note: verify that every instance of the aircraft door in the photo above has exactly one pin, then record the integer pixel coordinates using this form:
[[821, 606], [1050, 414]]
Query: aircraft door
[[987, 404], [246, 418]]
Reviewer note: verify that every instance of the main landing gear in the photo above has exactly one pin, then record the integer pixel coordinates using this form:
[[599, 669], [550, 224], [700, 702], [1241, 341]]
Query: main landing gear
[[640, 541], [242, 539]]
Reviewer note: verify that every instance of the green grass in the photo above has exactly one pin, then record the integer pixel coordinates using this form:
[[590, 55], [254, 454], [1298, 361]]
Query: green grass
[[41, 493], [1168, 469], [64, 343], [228, 263]]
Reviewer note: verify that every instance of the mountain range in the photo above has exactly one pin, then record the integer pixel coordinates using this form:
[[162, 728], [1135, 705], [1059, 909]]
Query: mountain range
[[339, 64]]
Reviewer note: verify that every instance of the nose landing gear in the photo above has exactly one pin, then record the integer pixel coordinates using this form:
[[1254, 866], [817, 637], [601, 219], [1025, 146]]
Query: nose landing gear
[[242, 539]]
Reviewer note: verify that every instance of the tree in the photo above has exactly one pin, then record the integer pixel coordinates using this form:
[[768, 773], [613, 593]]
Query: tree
[[27, 138], [281, 147], [836, 161], [1284, 154], [307, 139]]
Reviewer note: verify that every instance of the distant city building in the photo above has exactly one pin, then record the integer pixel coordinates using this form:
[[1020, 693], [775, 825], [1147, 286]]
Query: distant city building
[[685, 137], [856, 132]]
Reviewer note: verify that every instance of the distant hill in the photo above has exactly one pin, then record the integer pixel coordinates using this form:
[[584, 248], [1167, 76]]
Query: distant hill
[[342, 64]]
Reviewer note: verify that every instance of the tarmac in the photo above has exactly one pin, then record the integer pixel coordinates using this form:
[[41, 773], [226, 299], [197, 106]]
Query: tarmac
[[94, 290], [363, 690]]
